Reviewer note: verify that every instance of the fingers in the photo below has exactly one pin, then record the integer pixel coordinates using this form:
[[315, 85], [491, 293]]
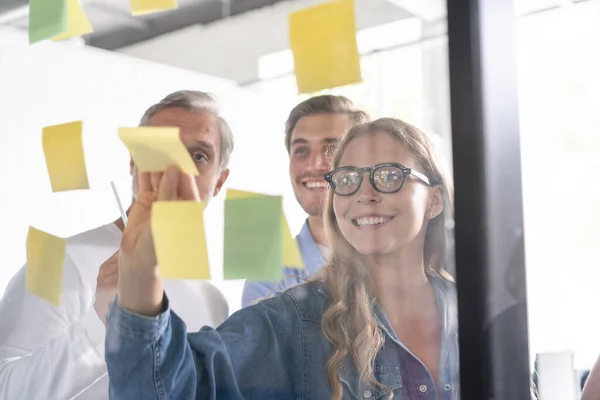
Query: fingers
[[144, 181], [155, 179], [139, 216], [176, 185], [110, 280], [114, 257], [108, 274], [172, 185], [169, 184], [149, 181], [108, 269], [109, 266], [187, 188]]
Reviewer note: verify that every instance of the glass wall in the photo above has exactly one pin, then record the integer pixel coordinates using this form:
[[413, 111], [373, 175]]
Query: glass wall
[[559, 86], [404, 66], [559, 60]]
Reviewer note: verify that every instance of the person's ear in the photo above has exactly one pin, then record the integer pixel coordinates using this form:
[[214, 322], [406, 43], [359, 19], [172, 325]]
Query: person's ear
[[436, 202], [131, 166], [221, 181]]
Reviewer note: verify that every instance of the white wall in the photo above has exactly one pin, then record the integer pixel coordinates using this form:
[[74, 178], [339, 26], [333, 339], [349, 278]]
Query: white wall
[[52, 83]]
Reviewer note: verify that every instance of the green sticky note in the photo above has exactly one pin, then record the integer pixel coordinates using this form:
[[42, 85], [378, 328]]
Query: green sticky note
[[253, 239], [47, 18]]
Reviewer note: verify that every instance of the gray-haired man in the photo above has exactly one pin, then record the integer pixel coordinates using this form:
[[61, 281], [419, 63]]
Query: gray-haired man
[[49, 352]]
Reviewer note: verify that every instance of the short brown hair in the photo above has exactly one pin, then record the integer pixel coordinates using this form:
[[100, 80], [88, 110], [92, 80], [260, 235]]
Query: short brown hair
[[325, 104]]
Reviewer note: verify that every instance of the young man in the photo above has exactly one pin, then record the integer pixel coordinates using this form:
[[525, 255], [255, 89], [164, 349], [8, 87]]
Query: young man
[[312, 130], [49, 352]]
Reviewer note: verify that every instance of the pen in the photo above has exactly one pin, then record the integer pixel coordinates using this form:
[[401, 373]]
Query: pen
[[123, 215]]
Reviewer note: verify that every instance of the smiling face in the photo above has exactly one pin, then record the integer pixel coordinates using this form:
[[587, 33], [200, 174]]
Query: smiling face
[[200, 134], [377, 223], [311, 139]]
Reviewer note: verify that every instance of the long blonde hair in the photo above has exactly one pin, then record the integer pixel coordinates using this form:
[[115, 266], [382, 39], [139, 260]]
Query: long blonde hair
[[349, 323]]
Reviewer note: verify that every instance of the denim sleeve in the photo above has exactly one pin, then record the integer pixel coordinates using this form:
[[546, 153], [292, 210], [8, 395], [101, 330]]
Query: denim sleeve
[[255, 354], [138, 349]]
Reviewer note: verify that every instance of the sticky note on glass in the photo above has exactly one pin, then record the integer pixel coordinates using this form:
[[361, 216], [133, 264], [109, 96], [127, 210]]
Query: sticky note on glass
[[258, 242], [179, 239], [77, 22], [153, 149], [141, 7], [45, 262], [323, 42], [65, 161], [56, 20]]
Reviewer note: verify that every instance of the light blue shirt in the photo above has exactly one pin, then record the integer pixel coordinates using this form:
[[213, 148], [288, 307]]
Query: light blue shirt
[[312, 259]]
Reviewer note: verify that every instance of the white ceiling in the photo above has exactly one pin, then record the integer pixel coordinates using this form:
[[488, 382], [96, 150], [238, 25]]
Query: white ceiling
[[106, 15], [114, 27]]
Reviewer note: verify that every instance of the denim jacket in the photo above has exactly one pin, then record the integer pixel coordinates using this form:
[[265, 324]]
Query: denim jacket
[[275, 349]]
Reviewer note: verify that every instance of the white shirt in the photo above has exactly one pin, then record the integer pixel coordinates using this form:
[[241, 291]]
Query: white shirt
[[57, 353]]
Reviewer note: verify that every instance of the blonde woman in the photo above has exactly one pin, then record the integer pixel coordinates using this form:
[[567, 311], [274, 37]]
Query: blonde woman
[[379, 322]]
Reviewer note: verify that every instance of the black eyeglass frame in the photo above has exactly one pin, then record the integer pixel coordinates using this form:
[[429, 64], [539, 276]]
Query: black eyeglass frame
[[371, 170]]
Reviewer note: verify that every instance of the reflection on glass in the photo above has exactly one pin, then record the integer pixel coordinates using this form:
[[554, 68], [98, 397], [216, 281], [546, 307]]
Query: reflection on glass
[[559, 94], [378, 319]]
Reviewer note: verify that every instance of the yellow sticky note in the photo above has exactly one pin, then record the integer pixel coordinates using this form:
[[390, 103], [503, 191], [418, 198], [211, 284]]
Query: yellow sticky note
[[77, 22], [44, 268], [323, 42], [290, 253], [153, 149], [141, 7], [179, 239], [63, 149]]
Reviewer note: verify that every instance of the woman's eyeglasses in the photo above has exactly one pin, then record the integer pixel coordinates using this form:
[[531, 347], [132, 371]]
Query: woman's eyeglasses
[[385, 178]]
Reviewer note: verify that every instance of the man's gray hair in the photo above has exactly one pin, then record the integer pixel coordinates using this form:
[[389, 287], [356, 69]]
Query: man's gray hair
[[196, 102]]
